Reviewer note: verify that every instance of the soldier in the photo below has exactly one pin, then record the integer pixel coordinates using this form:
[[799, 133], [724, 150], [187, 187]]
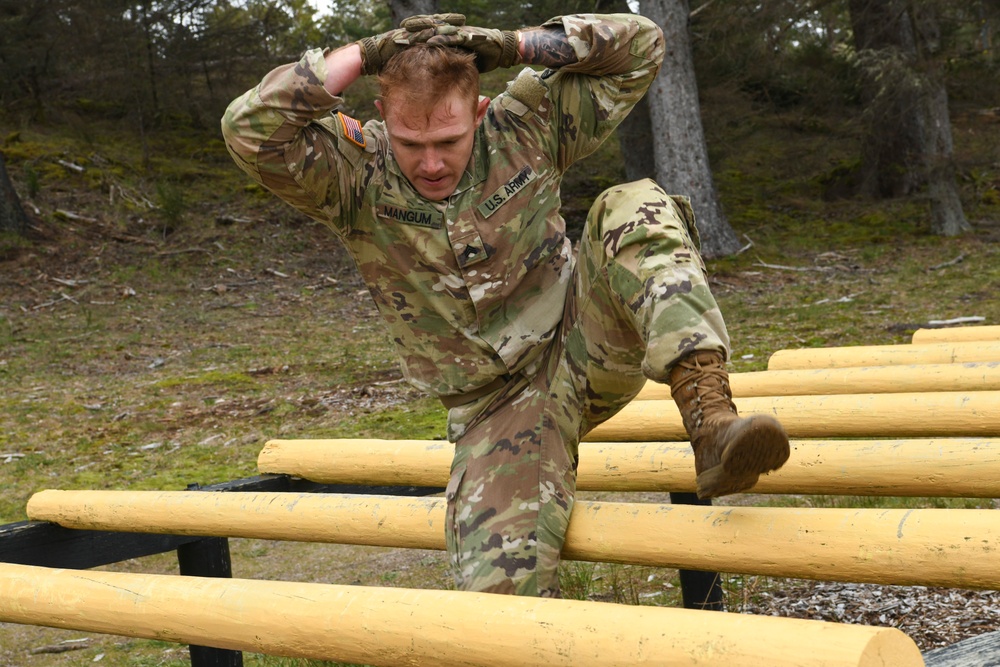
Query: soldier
[[450, 208]]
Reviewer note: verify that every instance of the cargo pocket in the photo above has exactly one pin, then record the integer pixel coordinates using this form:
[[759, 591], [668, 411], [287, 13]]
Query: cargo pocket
[[452, 532], [687, 215]]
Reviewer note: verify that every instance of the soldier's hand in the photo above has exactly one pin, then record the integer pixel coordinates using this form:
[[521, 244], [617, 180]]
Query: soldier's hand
[[377, 50], [493, 48], [432, 22]]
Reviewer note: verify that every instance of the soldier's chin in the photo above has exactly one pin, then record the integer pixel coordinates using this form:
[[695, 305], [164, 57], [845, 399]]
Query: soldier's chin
[[436, 190]]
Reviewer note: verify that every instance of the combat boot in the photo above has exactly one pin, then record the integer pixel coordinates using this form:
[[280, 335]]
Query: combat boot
[[730, 452]]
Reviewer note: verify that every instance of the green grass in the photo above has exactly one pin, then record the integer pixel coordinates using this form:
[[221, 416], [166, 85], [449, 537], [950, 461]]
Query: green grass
[[163, 344]]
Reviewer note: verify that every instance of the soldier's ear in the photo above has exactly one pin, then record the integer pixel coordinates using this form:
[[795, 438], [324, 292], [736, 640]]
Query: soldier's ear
[[484, 104], [378, 105]]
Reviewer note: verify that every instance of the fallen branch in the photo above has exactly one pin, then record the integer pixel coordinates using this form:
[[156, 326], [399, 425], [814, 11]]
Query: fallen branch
[[69, 283], [75, 217], [329, 282], [220, 288], [844, 299], [909, 327], [957, 260], [747, 246], [67, 339], [134, 199], [698, 10], [165, 253], [717, 281], [71, 166], [231, 219], [127, 238], [62, 647], [53, 302], [781, 267], [956, 320]]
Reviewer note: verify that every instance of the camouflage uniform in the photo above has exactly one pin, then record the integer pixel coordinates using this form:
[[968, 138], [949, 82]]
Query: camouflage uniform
[[530, 346]]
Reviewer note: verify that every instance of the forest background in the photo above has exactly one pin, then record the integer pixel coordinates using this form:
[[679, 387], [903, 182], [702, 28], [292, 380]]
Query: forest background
[[161, 317]]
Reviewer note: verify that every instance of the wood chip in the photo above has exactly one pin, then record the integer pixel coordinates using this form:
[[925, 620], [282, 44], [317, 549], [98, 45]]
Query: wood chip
[[933, 617]]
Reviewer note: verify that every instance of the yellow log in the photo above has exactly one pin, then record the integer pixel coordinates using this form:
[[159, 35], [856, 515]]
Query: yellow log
[[381, 462], [956, 334], [928, 547], [942, 467], [854, 380], [884, 355], [944, 414], [396, 626]]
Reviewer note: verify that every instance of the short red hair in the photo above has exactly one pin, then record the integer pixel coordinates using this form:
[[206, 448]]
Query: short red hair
[[422, 75]]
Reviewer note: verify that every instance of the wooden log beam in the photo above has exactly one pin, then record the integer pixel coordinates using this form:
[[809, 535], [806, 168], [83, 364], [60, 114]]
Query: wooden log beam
[[982, 650], [396, 626], [392, 461], [940, 467], [927, 547], [884, 355], [981, 376], [941, 414], [956, 334]]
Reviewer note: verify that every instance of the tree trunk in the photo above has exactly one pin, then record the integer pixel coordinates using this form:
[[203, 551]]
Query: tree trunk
[[635, 134], [12, 216], [908, 143], [401, 9], [947, 216], [678, 138], [150, 58], [635, 137]]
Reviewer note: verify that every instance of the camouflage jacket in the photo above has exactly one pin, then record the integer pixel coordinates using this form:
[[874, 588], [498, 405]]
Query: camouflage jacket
[[472, 287]]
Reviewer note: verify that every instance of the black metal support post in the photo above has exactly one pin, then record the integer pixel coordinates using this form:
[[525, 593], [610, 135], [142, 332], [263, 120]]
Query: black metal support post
[[699, 590], [209, 557]]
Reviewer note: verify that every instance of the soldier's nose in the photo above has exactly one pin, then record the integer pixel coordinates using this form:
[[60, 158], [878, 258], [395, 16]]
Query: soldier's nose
[[432, 162]]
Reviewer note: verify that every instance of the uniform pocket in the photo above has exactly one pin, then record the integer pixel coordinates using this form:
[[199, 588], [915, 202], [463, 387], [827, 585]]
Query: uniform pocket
[[687, 215], [452, 532]]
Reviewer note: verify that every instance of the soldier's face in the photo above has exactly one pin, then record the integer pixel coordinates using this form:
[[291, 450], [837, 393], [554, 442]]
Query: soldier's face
[[433, 146]]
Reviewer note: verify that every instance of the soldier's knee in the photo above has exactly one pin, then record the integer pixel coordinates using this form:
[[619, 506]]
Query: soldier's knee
[[631, 206]]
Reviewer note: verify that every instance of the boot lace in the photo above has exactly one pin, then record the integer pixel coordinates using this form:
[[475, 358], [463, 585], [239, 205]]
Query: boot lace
[[710, 385]]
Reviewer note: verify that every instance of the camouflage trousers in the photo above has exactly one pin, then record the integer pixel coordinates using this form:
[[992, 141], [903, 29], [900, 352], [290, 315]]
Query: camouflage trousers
[[638, 302]]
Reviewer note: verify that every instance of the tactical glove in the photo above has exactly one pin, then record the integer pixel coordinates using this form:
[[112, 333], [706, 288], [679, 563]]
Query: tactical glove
[[493, 48], [376, 51]]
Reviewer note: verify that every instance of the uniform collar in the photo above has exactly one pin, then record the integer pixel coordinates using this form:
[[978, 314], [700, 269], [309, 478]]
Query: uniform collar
[[478, 167]]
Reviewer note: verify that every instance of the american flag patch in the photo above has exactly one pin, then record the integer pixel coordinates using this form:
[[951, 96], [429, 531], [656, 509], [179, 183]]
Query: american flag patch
[[352, 129]]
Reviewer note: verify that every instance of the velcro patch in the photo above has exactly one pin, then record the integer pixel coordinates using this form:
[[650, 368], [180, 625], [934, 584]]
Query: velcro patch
[[408, 216], [352, 129], [504, 193]]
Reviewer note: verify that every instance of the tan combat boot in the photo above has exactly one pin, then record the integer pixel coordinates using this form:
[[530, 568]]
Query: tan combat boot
[[730, 452]]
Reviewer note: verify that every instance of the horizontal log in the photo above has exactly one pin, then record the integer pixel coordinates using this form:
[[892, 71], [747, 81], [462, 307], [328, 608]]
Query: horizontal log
[[397, 626], [941, 414], [884, 355], [391, 462], [956, 334], [981, 376], [929, 547], [982, 650], [943, 467]]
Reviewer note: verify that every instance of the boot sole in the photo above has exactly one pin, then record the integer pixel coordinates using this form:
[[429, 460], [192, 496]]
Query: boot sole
[[759, 446]]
